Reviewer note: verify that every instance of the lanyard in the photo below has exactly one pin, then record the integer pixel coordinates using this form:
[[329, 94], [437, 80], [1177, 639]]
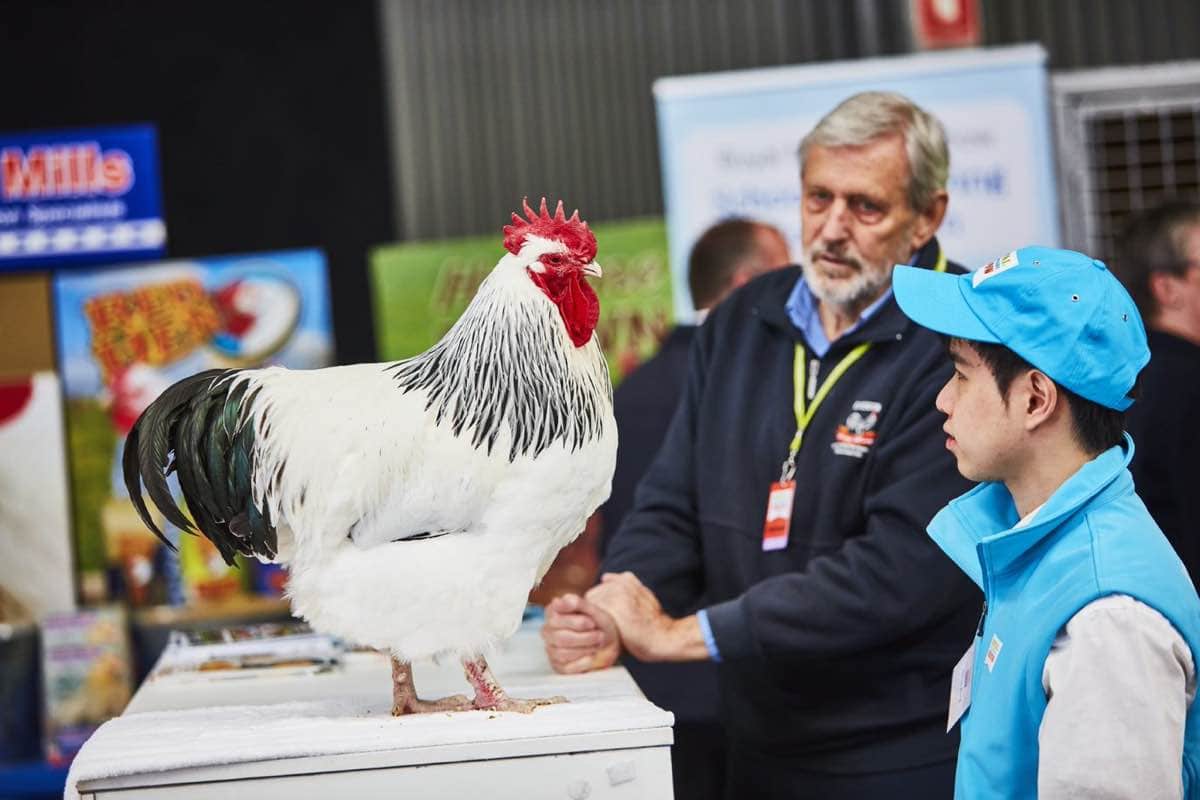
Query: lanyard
[[808, 398], [940, 266], [806, 404]]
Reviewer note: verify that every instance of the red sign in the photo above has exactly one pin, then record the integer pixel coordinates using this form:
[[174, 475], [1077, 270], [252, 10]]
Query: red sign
[[945, 23]]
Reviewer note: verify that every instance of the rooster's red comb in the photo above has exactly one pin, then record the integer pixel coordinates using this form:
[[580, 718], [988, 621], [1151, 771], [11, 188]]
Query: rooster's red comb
[[572, 232]]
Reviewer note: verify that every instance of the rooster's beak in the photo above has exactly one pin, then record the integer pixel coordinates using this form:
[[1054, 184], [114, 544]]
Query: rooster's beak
[[593, 269]]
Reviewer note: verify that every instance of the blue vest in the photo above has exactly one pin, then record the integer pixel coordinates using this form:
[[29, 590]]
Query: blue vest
[[1092, 538]]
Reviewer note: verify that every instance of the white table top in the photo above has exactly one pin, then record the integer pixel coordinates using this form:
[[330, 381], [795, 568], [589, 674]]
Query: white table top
[[194, 727]]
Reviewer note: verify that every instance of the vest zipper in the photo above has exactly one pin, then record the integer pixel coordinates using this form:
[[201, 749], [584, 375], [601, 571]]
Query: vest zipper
[[987, 588]]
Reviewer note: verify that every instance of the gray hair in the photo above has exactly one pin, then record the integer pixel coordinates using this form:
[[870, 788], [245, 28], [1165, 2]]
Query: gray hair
[[868, 116]]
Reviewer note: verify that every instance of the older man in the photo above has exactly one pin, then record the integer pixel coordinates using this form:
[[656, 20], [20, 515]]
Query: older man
[[780, 530]]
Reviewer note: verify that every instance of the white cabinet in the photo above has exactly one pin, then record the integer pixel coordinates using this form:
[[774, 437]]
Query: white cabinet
[[330, 735]]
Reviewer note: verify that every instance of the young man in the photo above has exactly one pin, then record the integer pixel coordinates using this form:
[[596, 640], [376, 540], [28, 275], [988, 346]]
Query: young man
[[1081, 677]]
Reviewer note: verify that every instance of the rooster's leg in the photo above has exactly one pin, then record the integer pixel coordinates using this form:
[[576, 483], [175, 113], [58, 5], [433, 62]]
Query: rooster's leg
[[404, 694], [489, 695]]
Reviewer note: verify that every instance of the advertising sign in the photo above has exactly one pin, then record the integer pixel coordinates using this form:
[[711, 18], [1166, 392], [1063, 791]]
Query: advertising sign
[[127, 333], [80, 196]]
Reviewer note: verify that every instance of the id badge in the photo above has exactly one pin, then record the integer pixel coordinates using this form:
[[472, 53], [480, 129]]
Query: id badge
[[960, 687], [779, 515]]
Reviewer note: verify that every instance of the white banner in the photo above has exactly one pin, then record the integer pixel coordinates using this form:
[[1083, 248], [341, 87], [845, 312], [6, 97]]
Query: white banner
[[729, 145]]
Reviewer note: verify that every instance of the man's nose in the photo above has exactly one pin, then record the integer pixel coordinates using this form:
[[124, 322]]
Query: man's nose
[[834, 227]]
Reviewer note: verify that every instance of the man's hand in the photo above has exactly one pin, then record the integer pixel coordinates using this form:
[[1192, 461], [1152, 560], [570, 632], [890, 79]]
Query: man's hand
[[579, 636], [646, 631]]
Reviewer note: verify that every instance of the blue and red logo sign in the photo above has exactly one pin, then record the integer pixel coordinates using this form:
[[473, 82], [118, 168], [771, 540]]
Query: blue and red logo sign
[[80, 197]]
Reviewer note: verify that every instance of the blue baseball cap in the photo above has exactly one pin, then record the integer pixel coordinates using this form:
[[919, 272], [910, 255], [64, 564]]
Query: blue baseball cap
[[1061, 311]]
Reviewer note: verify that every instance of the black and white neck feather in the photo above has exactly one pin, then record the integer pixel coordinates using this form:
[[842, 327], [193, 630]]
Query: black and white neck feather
[[508, 361]]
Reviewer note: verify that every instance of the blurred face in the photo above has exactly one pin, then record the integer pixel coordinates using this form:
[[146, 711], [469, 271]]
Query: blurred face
[[1188, 287], [856, 222], [983, 432]]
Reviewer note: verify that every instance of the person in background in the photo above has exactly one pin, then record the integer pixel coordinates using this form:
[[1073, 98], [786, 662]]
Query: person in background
[[1158, 260], [780, 529], [1081, 680], [726, 256]]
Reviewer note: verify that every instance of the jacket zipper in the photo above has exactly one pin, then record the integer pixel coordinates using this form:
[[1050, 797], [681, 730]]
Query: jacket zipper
[[987, 590]]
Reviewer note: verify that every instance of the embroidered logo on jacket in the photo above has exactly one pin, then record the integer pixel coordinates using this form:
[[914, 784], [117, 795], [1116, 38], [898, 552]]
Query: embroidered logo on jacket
[[856, 435]]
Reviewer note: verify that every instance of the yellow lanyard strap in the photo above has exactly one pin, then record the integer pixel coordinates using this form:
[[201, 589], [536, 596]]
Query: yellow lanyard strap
[[940, 266], [804, 409]]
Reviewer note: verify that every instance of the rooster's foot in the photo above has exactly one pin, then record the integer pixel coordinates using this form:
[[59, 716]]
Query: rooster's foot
[[404, 695], [489, 696], [413, 705], [516, 704]]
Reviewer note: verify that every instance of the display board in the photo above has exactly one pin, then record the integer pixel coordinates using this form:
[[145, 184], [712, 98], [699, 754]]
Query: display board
[[729, 145], [80, 196], [421, 288], [125, 334]]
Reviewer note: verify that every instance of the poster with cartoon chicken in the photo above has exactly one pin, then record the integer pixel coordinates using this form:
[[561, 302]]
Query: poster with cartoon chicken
[[124, 334]]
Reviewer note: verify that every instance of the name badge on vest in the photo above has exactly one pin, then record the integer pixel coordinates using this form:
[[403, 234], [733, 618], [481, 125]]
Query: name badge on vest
[[960, 687], [779, 515]]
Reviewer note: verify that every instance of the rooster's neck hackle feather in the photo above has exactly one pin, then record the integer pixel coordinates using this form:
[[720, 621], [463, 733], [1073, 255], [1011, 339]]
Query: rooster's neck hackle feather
[[508, 361]]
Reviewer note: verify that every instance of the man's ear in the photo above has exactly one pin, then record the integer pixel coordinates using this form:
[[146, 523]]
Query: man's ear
[[929, 220], [1041, 400], [1164, 287]]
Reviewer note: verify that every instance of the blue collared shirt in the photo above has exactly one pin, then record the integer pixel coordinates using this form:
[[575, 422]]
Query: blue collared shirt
[[801, 307]]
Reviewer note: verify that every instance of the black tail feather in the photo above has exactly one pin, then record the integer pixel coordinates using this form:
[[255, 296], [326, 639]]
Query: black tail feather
[[192, 428], [150, 442]]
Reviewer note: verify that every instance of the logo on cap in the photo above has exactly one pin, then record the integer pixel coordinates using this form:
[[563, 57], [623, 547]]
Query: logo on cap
[[994, 268]]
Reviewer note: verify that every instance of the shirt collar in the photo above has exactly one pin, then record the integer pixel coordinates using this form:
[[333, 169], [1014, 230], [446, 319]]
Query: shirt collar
[[801, 309]]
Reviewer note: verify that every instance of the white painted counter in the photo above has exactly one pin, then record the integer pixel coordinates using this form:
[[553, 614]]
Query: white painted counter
[[297, 734]]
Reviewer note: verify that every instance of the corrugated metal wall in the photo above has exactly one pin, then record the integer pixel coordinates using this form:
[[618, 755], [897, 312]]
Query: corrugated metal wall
[[1095, 33], [492, 99]]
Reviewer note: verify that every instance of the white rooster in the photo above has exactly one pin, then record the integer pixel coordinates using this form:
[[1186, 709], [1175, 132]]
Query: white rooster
[[415, 502]]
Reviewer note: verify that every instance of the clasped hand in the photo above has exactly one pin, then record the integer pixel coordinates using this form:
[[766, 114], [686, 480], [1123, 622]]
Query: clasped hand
[[589, 632]]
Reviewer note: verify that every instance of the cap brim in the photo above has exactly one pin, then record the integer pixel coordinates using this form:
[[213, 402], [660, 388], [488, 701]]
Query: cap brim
[[935, 300]]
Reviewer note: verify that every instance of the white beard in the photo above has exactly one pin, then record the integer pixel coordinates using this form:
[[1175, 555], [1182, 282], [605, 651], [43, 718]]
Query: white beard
[[855, 292]]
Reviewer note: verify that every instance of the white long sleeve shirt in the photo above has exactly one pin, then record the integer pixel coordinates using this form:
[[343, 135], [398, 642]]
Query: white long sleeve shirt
[[1119, 681]]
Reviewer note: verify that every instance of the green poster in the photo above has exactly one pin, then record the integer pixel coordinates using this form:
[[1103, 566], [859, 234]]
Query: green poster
[[420, 289]]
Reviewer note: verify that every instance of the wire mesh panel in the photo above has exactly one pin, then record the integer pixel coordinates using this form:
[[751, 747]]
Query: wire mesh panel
[[1128, 138]]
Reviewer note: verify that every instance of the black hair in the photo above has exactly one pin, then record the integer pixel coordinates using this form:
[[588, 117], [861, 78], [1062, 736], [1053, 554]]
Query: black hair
[[1096, 427]]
